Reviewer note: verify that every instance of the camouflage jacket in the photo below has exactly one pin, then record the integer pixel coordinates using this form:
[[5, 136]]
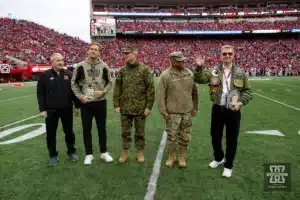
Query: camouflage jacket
[[214, 77], [176, 92], [134, 89]]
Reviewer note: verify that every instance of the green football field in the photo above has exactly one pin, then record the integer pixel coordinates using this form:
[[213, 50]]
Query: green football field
[[25, 175]]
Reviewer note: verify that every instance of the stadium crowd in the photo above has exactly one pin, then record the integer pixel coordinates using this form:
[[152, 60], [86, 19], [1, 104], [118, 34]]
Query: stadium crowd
[[205, 26], [34, 44]]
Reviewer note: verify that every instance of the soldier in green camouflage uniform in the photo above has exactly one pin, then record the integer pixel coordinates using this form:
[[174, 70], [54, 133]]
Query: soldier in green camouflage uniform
[[133, 98], [229, 90], [177, 101]]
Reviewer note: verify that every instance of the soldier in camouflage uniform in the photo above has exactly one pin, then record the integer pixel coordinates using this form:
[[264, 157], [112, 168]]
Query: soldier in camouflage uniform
[[133, 98], [177, 101], [229, 91]]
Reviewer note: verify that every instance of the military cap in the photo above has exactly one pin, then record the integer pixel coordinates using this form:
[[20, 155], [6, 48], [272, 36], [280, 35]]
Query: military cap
[[178, 56], [128, 49]]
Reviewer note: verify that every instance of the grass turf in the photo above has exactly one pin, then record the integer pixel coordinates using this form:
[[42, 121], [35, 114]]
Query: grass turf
[[25, 174]]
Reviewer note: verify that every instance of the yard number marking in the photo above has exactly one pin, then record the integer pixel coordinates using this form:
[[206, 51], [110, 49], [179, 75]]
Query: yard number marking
[[41, 130]]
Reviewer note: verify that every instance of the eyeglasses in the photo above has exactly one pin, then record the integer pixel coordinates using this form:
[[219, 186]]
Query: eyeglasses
[[225, 54]]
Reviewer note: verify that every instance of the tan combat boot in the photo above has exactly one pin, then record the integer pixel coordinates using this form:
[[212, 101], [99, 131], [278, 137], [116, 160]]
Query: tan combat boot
[[171, 159], [123, 156], [140, 156], [181, 160]]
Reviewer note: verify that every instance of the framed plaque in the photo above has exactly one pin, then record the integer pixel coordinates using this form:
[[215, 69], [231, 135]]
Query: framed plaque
[[233, 98], [90, 91]]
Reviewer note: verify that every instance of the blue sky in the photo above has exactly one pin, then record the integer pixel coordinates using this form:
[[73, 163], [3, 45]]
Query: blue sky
[[65, 16]]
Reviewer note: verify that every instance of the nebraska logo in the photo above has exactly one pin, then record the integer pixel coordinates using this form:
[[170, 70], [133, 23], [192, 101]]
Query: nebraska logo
[[277, 177]]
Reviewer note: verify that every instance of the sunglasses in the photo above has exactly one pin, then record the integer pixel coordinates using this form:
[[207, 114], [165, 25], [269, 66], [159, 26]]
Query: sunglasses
[[225, 54]]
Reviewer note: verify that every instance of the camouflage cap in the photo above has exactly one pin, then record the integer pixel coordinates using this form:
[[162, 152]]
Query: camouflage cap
[[128, 49], [178, 56]]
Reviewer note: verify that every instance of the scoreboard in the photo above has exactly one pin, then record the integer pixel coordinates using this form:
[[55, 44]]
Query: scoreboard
[[103, 26]]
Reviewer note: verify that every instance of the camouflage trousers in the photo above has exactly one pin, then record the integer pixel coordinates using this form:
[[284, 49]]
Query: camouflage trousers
[[179, 128], [126, 126]]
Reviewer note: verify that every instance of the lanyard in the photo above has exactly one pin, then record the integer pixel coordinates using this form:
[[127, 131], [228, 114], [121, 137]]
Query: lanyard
[[226, 78]]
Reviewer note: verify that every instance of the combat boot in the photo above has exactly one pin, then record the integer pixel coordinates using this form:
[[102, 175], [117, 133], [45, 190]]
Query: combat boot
[[140, 156], [171, 159], [123, 156], [181, 160]]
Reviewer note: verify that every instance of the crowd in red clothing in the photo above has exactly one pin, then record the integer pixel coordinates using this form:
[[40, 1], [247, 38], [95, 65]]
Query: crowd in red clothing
[[207, 26], [34, 44], [274, 54]]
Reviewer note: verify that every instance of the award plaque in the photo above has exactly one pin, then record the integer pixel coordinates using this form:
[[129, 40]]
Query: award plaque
[[90, 92], [233, 98]]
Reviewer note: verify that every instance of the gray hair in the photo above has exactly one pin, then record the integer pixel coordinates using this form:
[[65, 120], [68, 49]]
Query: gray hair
[[135, 52], [227, 47], [54, 56]]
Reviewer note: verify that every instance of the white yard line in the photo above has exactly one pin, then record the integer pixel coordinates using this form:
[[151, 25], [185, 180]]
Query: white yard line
[[15, 98], [259, 79], [25, 83], [282, 84], [156, 169], [23, 120], [298, 109]]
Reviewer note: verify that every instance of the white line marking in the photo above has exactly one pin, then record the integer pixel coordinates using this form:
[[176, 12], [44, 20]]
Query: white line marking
[[25, 83], [298, 109], [259, 79], [273, 90], [299, 132], [259, 90], [23, 120], [285, 85], [15, 98], [156, 169], [267, 132], [27, 136], [287, 90]]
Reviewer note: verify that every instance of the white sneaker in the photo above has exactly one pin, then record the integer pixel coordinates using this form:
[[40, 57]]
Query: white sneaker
[[88, 159], [227, 172], [215, 164], [106, 157]]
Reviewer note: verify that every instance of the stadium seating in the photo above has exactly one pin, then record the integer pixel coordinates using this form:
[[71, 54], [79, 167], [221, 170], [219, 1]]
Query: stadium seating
[[207, 26], [34, 44]]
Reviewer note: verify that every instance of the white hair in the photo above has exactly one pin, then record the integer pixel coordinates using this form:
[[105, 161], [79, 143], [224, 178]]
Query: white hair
[[227, 47], [55, 55]]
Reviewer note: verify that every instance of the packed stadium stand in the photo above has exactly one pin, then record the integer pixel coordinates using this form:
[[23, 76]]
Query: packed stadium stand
[[24, 43], [34, 44]]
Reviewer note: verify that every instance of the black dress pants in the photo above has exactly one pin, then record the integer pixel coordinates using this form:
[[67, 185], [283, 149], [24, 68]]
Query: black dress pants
[[88, 112], [220, 117], [66, 116]]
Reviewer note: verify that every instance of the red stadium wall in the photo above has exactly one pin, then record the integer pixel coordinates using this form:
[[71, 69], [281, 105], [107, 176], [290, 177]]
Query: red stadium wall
[[20, 74]]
